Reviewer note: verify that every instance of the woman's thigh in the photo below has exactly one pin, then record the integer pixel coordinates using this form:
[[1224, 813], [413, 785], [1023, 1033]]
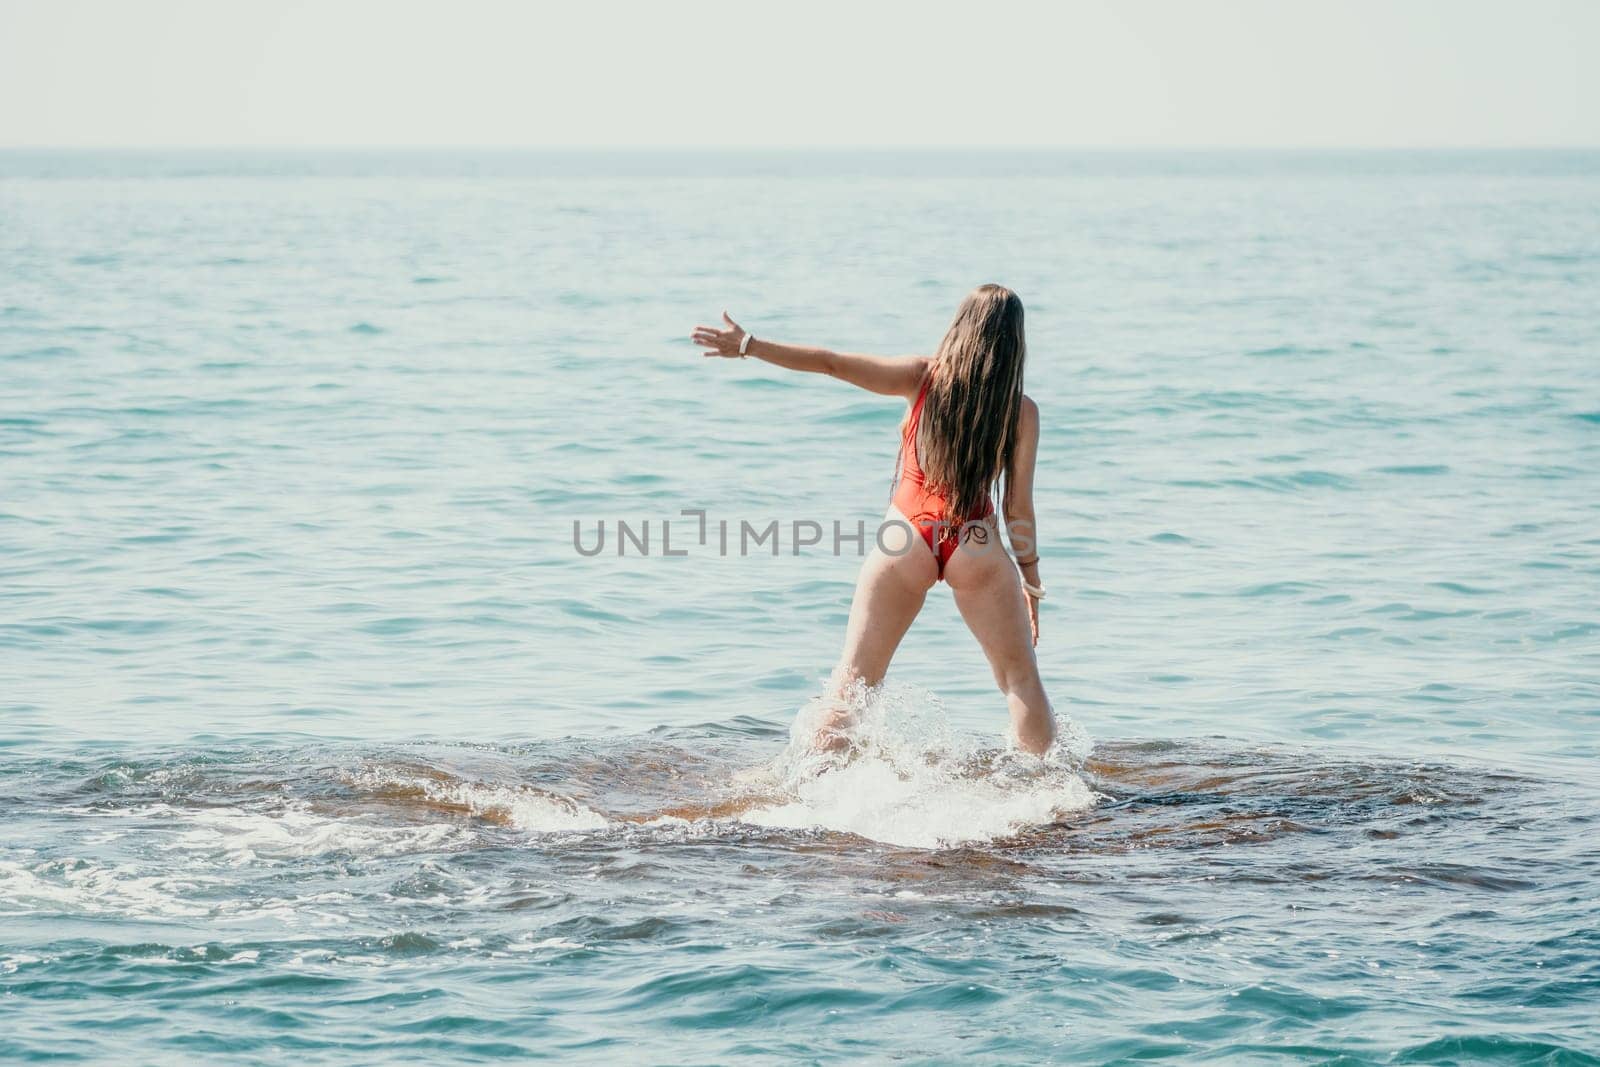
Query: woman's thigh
[[988, 592], [889, 594]]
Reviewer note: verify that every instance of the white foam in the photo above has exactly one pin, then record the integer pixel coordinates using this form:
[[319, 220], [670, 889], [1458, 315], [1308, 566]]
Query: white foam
[[526, 809], [84, 886], [297, 831], [561, 943], [522, 807], [912, 782], [292, 832]]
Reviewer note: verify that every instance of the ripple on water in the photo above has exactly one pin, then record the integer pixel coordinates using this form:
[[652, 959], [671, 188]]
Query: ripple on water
[[700, 876]]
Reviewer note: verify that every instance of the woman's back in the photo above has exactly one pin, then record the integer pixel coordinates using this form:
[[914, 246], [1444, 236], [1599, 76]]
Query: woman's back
[[929, 507]]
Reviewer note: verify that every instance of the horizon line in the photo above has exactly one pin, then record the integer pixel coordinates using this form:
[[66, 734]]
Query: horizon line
[[872, 149]]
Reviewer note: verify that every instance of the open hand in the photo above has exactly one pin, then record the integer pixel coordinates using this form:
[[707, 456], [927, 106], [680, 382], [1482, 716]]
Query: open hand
[[720, 342], [1033, 617]]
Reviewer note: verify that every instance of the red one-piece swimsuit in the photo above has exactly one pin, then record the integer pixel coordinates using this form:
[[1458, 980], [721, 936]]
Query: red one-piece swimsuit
[[924, 507]]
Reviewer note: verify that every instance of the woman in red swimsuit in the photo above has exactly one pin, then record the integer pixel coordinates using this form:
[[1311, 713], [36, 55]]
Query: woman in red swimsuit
[[969, 432]]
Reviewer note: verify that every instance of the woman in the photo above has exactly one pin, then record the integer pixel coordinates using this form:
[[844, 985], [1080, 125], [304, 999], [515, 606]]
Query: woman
[[969, 429]]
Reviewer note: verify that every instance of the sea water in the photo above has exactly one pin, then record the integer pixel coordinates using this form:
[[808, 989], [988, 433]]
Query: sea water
[[321, 739]]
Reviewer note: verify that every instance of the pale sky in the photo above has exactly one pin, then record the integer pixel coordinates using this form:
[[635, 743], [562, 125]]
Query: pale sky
[[1092, 73]]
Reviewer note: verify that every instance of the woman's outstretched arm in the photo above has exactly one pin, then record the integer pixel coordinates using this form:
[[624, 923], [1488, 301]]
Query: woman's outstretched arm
[[888, 375]]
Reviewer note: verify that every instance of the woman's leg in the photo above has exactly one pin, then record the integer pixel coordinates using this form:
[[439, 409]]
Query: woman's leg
[[988, 592], [889, 594]]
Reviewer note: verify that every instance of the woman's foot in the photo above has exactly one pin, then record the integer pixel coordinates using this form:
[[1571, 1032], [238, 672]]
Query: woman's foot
[[833, 734], [1034, 731]]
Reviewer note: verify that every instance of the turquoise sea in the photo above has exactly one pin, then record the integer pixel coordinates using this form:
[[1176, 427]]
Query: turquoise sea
[[320, 742]]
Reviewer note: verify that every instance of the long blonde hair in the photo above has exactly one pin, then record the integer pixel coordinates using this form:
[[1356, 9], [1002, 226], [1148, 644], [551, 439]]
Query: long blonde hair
[[968, 426]]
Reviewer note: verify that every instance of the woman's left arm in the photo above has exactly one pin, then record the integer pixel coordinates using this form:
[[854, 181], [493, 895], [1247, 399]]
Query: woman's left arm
[[887, 375], [1021, 526]]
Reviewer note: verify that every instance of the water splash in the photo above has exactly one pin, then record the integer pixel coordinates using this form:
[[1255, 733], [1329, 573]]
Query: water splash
[[909, 779]]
